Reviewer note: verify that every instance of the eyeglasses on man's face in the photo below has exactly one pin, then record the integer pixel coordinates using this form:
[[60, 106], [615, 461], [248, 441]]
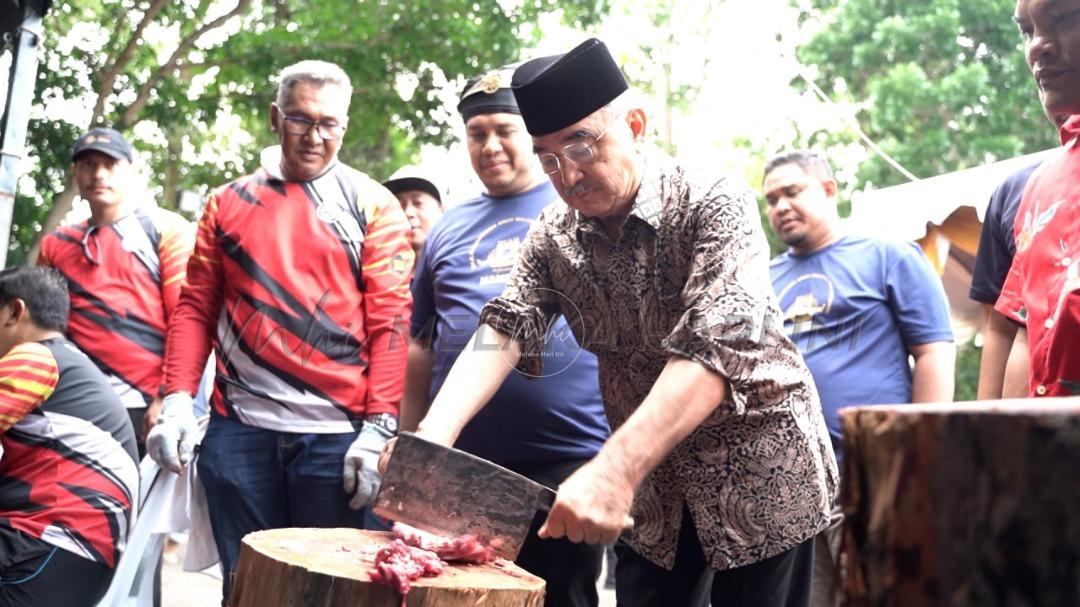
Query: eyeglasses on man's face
[[299, 125], [579, 152]]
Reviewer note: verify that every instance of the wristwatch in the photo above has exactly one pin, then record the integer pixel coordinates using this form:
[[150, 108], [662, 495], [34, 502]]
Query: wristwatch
[[386, 421]]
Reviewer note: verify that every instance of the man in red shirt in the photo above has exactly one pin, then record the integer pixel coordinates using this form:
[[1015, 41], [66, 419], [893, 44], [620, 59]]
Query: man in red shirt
[[299, 282], [1042, 291], [68, 479], [124, 267]]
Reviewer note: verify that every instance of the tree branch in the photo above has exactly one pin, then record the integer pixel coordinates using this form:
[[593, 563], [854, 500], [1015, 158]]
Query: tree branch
[[132, 112], [108, 78]]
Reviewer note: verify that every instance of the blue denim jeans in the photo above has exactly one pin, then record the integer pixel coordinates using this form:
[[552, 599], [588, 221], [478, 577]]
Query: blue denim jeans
[[259, 479]]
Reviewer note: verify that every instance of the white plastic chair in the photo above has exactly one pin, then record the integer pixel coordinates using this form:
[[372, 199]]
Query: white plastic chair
[[133, 581]]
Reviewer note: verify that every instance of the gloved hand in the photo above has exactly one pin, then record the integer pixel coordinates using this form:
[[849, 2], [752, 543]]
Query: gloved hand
[[361, 474], [171, 442]]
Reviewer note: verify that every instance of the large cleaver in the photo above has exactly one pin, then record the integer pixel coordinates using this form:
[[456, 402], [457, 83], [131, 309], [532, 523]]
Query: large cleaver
[[453, 493]]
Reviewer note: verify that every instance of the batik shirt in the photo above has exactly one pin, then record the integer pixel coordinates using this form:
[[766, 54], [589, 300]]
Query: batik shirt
[[124, 279], [67, 475], [688, 278], [302, 289], [1042, 290]]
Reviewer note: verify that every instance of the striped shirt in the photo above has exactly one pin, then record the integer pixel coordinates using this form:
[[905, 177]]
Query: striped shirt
[[124, 279], [68, 474], [302, 290]]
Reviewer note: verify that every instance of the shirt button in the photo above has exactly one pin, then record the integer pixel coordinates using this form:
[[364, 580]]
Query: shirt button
[[1040, 390], [1049, 324], [1065, 261]]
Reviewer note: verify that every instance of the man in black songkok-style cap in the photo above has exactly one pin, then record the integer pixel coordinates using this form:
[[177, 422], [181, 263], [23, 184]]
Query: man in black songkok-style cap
[[544, 428], [720, 470]]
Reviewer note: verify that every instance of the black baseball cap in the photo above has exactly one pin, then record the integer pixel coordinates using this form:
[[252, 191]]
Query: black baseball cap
[[405, 184], [107, 141]]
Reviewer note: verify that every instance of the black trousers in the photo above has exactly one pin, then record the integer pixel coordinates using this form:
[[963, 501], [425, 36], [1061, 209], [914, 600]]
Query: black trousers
[[36, 574], [570, 570], [780, 581]]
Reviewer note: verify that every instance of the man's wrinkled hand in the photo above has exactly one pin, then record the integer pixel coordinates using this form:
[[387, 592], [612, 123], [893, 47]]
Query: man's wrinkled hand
[[171, 442], [362, 475], [592, 506]]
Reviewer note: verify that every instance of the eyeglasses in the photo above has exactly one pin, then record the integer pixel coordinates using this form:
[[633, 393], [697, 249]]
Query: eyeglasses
[[298, 125], [578, 152]]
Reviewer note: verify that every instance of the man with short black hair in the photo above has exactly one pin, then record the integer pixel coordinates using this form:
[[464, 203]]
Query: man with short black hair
[[299, 283], [125, 266], [719, 450], [542, 427], [856, 308], [68, 477]]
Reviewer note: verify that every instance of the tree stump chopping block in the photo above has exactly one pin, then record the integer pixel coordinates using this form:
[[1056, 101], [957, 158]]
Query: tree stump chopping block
[[962, 504], [332, 567]]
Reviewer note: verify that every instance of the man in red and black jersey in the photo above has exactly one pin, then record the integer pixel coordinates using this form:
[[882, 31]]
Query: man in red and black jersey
[[68, 478], [124, 267], [299, 282]]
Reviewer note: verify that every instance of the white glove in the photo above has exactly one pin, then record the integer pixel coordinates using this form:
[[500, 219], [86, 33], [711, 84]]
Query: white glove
[[361, 474], [171, 442]]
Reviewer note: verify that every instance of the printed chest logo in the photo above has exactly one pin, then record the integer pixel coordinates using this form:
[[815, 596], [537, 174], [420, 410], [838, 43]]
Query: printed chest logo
[[805, 299], [329, 211], [495, 251]]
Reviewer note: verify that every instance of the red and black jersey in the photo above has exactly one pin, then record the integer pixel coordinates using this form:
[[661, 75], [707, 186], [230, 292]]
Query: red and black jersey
[[302, 289], [124, 279], [68, 474]]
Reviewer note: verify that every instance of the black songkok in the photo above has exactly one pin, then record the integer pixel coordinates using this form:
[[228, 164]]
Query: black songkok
[[557, 91], [488, 94]]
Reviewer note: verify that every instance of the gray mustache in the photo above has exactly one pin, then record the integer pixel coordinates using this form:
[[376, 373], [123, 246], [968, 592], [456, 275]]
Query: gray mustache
[[577, 190]]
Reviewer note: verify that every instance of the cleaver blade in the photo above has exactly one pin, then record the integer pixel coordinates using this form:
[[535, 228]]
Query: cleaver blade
[[452, 493]]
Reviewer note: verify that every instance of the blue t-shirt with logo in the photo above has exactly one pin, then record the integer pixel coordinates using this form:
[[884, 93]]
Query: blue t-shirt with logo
[[852, 309], [466, 261]]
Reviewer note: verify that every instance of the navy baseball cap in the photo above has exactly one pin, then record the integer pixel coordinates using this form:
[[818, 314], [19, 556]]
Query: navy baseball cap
[[107, 141]]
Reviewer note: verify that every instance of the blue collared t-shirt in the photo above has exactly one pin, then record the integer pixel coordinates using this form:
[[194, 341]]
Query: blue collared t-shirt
[[465, 262], [852, 309]]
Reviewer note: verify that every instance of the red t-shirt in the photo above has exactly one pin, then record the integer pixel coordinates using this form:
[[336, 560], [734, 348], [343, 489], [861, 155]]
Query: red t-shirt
[[1042, 290], [68, 475], [305, 300], [124, 279]]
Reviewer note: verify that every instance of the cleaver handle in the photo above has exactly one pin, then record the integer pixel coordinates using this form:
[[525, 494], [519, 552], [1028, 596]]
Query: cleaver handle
[[545, 500]]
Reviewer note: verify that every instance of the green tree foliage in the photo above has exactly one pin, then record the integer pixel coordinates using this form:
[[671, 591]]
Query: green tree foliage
[[942, 84], [169, 72], [968, 356]]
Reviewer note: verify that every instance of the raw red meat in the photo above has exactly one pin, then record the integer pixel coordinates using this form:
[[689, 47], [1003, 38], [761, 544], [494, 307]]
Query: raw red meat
[[466, 548], [398, 565]]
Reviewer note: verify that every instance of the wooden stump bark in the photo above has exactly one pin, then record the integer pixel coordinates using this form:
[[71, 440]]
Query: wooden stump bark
[[962, 504], [331, 568]]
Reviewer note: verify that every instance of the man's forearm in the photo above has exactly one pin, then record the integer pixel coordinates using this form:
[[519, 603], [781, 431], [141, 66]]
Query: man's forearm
[[998, 335], [933, 379], [684, 396], [487, 360], [414, 403], [1016, 383]]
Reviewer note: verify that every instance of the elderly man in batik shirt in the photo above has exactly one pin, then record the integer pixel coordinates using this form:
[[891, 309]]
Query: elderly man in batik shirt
[[720, 463]]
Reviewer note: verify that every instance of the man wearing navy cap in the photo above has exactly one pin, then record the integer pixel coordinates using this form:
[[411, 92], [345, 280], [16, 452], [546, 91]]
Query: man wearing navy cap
[[544, 426], [720, 463], [124, 267]]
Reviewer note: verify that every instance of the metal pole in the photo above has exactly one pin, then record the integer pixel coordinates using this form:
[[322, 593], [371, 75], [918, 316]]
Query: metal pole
[[24, 64]]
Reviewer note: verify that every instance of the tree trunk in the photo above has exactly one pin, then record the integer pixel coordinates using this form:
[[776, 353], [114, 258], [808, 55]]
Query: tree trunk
[[61, 206], [965, 504], [331, 568]]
